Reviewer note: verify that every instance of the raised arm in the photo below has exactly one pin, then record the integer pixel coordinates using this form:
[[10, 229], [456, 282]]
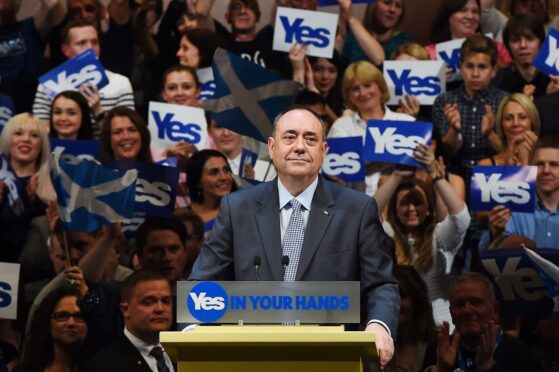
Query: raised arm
[[94, 261], [49, 13], [367, 42]]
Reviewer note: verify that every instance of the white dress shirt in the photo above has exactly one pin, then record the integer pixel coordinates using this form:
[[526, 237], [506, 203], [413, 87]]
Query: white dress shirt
[[144, 348]]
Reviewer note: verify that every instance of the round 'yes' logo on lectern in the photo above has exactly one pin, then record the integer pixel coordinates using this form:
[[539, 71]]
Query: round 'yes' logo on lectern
[[207, 302]]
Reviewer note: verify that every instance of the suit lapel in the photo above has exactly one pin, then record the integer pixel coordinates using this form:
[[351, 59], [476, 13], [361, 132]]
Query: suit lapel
[[319, 219], [268, 222]]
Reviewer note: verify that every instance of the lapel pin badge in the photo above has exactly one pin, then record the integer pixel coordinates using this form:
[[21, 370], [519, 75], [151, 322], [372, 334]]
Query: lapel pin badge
[[326, 213]]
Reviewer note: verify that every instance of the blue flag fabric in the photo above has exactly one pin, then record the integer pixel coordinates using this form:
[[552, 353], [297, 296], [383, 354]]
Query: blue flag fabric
[[90, 196], [247, 96], [8, 177], [156, 188]]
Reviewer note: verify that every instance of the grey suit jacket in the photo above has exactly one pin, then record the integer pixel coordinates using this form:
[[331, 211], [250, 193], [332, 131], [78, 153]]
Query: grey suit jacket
[[344, 241]]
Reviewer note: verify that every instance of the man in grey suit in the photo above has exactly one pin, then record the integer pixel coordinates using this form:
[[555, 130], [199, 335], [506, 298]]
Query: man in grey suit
[[339, 235]]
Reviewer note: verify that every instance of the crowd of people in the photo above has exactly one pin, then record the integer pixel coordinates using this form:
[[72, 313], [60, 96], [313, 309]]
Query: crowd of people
[[87, 299]]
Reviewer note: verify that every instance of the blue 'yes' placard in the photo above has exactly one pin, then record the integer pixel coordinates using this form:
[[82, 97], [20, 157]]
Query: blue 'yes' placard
[[547, 60], [156, 188], [76, 71], [511, 186], [343, 159], [395, 141], [74, 151]]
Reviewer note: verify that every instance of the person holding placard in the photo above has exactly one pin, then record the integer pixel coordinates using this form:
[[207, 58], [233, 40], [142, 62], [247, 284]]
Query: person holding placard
[[70, 117], [421, 240], [459, 19], [79, 36], [366, 93], [523, 37], [541, 226]]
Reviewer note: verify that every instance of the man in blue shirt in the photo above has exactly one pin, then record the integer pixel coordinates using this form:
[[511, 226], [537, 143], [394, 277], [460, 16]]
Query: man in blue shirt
[[542, 226]]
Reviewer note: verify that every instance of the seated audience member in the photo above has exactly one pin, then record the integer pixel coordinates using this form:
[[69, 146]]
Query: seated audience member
[[541, 332], [197, 47], [366, 93], [22, 48], [56, 335], [195, 240], [458, 19], [548, 108], [70, 117], [147, 308], [421, 240], [231, 144], [416, 327], [26, 187], [464, 117], [542, 226], [518, 127], [321, 76], [124, 136], [523, 37], [478, 344], [381, 23], [244, 40], [209, 178], [160, 246], [77, 37]]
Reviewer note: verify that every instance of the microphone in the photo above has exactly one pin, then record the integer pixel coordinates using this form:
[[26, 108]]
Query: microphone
[[284, 263], [256, 263]]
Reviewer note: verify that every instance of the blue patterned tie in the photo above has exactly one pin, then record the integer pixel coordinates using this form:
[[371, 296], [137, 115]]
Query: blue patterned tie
[[157, 353], [293, 240]]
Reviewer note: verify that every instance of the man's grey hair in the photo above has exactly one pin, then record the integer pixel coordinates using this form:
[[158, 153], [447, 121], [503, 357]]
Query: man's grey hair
[[299, 107], [477, 278]]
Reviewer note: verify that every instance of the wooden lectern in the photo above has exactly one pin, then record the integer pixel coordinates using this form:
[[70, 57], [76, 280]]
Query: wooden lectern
[[270, 349]]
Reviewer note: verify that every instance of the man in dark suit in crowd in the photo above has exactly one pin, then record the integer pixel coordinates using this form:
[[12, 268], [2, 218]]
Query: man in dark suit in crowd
[[146, 306], [328, 232]]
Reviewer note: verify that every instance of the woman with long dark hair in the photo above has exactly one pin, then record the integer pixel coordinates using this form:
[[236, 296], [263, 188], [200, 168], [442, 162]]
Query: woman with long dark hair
[[70, 117], [57, 332]]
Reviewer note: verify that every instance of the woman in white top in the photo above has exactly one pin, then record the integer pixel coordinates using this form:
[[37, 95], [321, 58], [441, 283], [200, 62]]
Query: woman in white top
[[365, 92], [420, 240]]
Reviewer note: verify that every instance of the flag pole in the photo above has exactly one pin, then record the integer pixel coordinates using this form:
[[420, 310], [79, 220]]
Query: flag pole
[[66, 245]]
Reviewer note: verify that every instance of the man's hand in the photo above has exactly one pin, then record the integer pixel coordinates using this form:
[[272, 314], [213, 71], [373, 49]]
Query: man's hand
[[452, 116], [91, 94], [488, 121], [409, 105], [447, 349], [498, 218], [485, 349], [385, 344]]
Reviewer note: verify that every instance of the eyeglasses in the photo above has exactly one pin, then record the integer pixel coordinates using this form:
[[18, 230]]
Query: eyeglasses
[[62, 316], [88, 8]]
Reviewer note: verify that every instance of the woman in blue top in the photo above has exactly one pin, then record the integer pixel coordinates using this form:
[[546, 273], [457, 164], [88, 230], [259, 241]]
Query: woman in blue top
[[25, 184], [209, 178]]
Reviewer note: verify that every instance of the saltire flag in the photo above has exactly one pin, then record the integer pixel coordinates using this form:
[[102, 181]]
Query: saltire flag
[[8, 177], [90, 195], [550, 275], [247, 96]]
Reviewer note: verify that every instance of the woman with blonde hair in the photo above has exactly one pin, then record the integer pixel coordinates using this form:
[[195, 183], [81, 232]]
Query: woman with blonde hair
[[518, 127], [25, 183], [365, 93]]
